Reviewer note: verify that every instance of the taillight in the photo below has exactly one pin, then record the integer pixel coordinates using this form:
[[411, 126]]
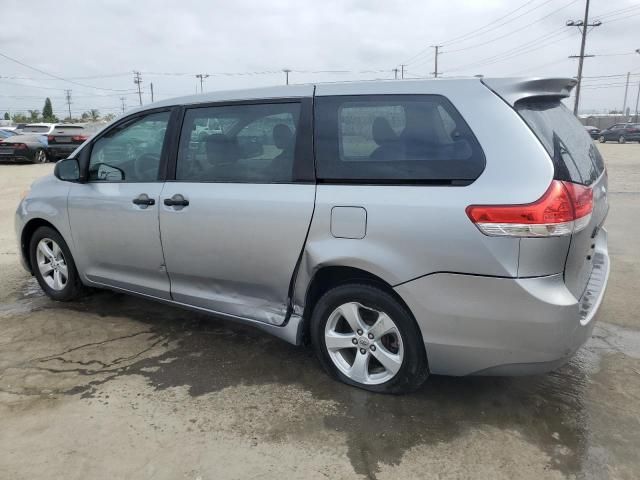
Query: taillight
[[50, 138], [79, 138], [564, 208]]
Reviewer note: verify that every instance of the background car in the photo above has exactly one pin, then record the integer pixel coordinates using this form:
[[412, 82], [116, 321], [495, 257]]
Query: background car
[[65, 138], [24, 148], [6, 134], [39, 128], [621, 133], [594, 132]]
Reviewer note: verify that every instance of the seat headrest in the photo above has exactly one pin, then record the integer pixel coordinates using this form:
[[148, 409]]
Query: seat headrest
[[382, 132], [282, 136]]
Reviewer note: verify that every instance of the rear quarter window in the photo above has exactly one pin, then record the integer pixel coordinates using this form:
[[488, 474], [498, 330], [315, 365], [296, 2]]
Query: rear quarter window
[[575, 157], [391, 138]]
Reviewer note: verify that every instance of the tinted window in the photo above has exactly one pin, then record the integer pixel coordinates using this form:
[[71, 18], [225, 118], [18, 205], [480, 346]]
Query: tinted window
[[130, 152], [574, 155], [73, 129], [238, 143], [394, 137], [36, 129]]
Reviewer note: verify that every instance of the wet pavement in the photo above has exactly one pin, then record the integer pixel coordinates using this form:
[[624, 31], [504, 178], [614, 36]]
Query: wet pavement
[[114, 386]]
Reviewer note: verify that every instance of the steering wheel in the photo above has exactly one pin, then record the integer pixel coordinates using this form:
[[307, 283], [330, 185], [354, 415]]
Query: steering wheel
[[146, 167]]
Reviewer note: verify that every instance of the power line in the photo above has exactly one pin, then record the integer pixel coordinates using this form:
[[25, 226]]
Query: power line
[[55, 76]]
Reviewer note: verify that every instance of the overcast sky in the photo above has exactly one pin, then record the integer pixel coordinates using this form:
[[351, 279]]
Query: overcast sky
[[97, 44]]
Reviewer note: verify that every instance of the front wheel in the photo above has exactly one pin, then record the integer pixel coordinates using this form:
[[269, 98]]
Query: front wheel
[[53, 265], [364, 337], [621, 139]]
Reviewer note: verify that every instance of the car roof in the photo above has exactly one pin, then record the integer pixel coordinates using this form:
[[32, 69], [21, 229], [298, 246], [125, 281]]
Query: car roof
[[511, 89]]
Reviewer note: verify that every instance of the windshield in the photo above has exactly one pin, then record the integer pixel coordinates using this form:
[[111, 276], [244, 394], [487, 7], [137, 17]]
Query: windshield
[[574, 155]]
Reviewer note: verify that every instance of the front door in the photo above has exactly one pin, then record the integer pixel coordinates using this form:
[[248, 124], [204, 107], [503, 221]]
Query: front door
[[114, 216], [235, 219]]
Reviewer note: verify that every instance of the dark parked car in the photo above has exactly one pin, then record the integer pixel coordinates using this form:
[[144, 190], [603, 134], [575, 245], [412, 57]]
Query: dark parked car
[[594, 132], [24, 148], [621, 133], [64, 139]]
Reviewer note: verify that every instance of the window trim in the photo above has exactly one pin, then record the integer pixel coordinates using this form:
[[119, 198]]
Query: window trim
[[303, 158], [395, 181], [84, 155]]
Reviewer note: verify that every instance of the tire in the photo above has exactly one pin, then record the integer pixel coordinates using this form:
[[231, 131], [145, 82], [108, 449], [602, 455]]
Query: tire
[[68, 286], [402, 347], [621, 139], [40, 156], [601, 139]]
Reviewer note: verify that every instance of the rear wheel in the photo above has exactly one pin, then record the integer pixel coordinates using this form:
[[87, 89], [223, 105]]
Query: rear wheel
[[621, 139], [53, 265], [40, 156], [364, 337], [602, 139]]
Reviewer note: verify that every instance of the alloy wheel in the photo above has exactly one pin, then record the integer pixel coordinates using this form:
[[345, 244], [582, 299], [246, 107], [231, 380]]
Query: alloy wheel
[[41, 156], [621, 139], [52, 264], [364, 343]]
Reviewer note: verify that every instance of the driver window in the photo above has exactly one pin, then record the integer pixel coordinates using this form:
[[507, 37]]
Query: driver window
[[130, 152]]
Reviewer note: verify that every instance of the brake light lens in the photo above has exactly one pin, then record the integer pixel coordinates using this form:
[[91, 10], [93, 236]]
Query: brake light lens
[[50, 138], [564, 208], [79, 138]]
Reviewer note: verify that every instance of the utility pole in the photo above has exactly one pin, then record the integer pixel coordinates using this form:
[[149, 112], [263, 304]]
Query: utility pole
[[137, 79], [151, 85], [68, 98], [437, 48], [202, 76], [395, 73], [402, 71], [626, 90], [637, 100], [583, 26], [286, 75], [124, 106]]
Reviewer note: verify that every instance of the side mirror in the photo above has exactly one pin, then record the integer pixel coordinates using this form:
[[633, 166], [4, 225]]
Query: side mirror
[[67, 170]]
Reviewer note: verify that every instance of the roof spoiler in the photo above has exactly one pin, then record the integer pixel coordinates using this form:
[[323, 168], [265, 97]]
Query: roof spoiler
[[513, 89]]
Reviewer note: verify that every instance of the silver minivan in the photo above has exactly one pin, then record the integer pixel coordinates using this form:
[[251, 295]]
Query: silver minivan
[[402, 228]]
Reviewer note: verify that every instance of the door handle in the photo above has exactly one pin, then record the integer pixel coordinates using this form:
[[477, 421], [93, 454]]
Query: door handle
[[144, 200], [176, 201]]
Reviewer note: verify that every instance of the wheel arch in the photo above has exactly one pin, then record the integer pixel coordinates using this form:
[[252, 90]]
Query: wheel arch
[[25, 237], [330, 276]]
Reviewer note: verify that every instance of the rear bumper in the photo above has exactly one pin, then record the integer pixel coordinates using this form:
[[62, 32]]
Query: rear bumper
[[28, 157], [61, 151], [503, 326]]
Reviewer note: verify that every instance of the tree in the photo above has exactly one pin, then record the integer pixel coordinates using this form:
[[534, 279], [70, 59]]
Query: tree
[[47, 110], [33, 115], [108, 117], [85, 116], [19, 118], [6, 116], [94, 114]]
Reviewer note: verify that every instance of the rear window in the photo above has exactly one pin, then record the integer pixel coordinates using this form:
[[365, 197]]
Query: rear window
[[36, 129], [416, 138], [75, 129], [574, 155]]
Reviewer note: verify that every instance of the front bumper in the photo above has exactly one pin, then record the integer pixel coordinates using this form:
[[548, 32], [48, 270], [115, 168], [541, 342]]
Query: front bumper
[[503, 326]]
